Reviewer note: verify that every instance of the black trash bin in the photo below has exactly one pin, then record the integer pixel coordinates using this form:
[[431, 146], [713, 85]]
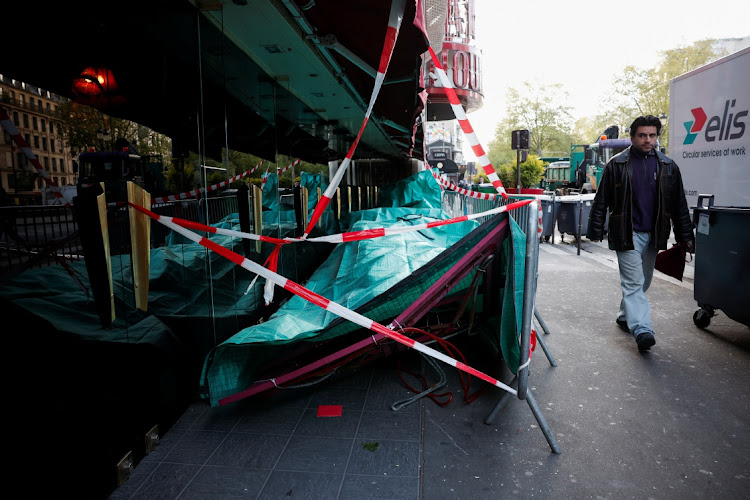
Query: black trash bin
[[572, 210], [550, 209], [722, 261]]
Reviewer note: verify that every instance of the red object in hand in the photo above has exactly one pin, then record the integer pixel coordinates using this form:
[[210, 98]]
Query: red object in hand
[[671, 261]]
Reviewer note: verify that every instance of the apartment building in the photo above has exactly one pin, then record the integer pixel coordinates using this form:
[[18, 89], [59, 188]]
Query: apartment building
[[33, 111]]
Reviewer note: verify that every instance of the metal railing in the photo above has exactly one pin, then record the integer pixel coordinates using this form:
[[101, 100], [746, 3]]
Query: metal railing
[[41, 235], [37, 236]]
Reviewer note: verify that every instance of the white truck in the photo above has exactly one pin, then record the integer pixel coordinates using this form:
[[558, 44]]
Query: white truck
[[709, 130]]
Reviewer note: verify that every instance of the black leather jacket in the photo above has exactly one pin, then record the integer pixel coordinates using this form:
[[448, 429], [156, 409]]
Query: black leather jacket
[[614, 193]]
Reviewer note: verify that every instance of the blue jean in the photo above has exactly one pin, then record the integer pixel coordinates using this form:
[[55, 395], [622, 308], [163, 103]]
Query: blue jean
[[636, 271]]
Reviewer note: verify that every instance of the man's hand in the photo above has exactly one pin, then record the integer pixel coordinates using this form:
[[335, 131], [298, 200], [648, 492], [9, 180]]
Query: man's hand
[[687, 246]]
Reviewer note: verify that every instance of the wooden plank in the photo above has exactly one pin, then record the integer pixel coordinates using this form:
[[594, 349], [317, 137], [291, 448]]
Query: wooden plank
[[140, 243]]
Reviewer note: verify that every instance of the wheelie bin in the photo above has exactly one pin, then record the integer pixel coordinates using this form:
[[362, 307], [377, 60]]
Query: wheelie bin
[[574, 208], [550, 208], [722, 261]]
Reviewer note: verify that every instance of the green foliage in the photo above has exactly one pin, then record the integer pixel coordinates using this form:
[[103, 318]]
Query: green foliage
[[180, 178], [479, 178], [532, 171], [79, 125], [638, 91], [543, 110]]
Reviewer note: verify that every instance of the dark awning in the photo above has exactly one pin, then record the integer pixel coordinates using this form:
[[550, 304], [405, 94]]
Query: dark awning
[[263, 68]]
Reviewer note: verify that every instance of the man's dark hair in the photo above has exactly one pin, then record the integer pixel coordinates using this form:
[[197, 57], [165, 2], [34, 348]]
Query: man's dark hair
[[645, 121]]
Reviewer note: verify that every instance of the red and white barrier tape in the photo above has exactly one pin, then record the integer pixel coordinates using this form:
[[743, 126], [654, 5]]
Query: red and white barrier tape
[[16, 136], [540, 223], [329, 305], [444, 183], [466, 192], [334, 238], [387, 231], [197, 226], [394, 25], [279, 171], [293, 164], [463, 121], [196, 192]]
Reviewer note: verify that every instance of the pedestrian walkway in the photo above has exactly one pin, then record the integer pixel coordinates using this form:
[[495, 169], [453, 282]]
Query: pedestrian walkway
[[669, 423]]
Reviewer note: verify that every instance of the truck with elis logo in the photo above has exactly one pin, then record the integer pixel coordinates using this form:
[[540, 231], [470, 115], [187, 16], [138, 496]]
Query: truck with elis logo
[[709, 130]]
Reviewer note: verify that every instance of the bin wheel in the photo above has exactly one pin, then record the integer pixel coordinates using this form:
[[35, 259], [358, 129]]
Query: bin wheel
[[701, 318]]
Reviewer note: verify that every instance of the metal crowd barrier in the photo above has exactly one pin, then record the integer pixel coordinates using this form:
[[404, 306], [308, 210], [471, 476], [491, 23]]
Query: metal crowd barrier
[[527, 218]]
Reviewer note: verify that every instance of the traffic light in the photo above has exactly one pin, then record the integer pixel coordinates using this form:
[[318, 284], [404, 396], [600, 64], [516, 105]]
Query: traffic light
[[520, 139]]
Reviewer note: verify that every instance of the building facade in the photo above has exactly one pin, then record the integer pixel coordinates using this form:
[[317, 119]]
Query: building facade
[[34, 113]]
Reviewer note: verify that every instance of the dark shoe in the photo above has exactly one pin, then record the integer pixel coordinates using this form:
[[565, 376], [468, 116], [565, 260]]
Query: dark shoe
[[622, 324], [645, 340]]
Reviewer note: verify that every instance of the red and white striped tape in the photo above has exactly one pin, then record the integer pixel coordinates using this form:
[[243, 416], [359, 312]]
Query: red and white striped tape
[[196, 192], [466, 192], [444, 183], [16, 136], [540, 223], [394, 25], [328, 305], [293, 164], [463, 121], [265, 178], [335, 238], [197, 226], [279, 171], [387, 231]]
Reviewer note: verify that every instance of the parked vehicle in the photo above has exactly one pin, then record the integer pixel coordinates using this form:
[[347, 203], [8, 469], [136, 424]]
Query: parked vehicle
[[582, 170], [116, 168]]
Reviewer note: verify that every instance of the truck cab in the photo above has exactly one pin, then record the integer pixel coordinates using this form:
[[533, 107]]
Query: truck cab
[[599, 154], [113, 168]]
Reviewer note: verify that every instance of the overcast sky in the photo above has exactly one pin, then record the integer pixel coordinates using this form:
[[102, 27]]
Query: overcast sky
[[584, 43]]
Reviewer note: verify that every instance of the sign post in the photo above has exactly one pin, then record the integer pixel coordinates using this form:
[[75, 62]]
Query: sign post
[[519, 141]]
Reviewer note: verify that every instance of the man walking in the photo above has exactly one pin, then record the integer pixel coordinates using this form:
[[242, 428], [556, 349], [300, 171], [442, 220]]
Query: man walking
[[641, 188]]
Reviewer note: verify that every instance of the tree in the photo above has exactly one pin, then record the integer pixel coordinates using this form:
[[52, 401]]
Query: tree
[[498, 149], [81, 126], [543, 110], [640, 92], [532, 171], [180, 177]]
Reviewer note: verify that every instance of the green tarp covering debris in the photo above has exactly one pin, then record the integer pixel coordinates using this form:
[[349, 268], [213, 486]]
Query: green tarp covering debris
[[355, 273]]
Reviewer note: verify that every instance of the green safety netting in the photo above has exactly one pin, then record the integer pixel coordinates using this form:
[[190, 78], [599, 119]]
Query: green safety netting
[[378, 278]]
